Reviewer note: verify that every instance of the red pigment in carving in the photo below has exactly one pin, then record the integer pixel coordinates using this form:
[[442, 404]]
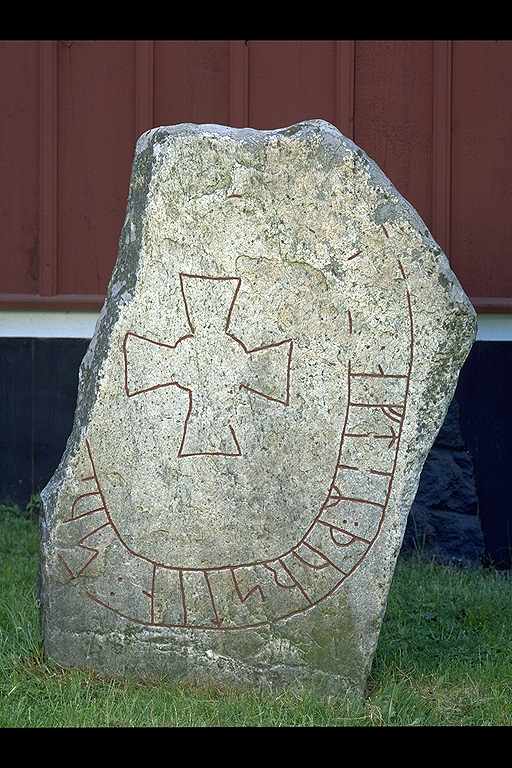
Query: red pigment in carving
[[393, 411], [182, 453]]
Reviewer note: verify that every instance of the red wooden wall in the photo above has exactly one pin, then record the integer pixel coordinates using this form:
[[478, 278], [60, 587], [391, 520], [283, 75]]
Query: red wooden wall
[[435, 115]]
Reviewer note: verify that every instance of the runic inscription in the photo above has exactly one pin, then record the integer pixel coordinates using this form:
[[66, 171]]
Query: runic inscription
[[329, 550], [192, 364]]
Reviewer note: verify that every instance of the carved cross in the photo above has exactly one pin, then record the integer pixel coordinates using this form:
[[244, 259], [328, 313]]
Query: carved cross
[[210, 364]]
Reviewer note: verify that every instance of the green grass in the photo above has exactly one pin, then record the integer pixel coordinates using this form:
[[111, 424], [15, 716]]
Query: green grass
[[444, 658]]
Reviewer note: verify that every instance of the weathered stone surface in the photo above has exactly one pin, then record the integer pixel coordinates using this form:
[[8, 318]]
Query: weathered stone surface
[[277, 351]]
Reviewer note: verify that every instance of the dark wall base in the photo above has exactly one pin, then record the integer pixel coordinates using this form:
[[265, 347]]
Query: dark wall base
[[38, 386], [444, 522], [484, 394]]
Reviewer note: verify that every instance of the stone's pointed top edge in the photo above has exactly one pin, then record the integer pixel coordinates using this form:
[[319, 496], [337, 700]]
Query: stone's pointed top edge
[[339, 146], [318, 125]]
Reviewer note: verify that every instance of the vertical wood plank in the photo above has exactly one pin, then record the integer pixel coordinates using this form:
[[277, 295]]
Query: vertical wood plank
[[239, 83], [442, 142], [96, 141], [291, 81], [144, 86], [48, 138], [481, 164], [345, 78], [393, 114], [19, 166], [192, 81]]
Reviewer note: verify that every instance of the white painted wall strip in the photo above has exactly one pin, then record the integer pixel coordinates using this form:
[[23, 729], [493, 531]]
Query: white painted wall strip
[[494, 328], [80, 325], [47, 324]]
